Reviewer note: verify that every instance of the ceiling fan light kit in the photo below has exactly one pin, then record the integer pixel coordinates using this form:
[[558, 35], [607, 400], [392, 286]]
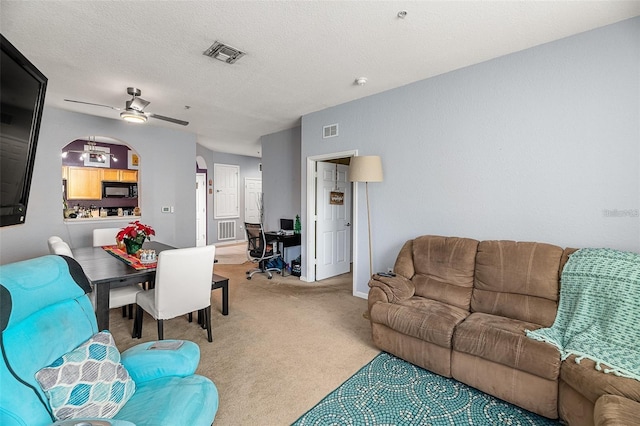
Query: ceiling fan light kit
[[133, 116]]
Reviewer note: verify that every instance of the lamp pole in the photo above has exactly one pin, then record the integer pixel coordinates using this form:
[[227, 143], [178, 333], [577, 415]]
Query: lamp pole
[[366, 189]]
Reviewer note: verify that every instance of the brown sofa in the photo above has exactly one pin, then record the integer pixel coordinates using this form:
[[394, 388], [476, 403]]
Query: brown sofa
[[460, 307]]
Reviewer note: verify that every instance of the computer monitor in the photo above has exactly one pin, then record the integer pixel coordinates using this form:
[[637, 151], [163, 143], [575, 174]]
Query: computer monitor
[[286, 224]]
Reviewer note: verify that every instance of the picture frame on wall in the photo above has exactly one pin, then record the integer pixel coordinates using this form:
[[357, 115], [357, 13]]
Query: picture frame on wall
[[133, 160], [97, 160]]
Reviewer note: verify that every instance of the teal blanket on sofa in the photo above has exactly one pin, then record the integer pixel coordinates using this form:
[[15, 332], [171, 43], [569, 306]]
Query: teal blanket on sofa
[[599, 311]]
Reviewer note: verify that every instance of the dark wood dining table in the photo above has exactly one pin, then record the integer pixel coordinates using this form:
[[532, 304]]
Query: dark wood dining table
[[106, 272]]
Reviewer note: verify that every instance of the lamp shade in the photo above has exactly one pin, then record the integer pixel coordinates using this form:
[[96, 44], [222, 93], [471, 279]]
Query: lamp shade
[[367, 168]]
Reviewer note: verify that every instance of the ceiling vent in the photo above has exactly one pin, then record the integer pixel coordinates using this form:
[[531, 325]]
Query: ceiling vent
[[223, 52]]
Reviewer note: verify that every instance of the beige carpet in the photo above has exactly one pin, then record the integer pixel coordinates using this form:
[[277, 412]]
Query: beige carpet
[[234, 254], [284, 345]]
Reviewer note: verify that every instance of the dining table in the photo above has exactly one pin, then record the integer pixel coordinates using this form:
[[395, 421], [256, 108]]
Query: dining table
[[105, 272]]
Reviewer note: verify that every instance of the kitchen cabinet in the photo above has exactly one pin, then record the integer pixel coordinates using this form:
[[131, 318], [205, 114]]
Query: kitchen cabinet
[[110, 175], [128, 175], [118, 175], [84, 183]]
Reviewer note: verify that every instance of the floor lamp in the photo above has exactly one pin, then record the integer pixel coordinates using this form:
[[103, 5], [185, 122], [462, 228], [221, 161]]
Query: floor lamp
[[366, 169]]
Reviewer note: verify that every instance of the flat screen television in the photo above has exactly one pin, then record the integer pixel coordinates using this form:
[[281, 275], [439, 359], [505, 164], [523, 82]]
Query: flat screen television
[[21, 102]]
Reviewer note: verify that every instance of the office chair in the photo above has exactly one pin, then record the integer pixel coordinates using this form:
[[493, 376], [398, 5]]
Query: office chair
[[183, 285], [124, 296], [258, 251]]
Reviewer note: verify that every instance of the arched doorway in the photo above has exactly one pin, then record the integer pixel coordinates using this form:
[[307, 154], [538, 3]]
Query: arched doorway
[[100, 178]]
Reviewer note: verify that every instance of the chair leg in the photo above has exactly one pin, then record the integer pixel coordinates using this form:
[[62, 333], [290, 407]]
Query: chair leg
[[190, 316], [207, 318], [160, 330], [131, 311], [137, 323], [124, 311]]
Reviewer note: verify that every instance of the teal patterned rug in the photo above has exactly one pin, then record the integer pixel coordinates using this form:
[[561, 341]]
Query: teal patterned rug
[[389, 391]]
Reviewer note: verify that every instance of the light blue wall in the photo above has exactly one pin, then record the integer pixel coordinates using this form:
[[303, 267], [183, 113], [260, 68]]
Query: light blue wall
[[281, 176], [166, 176], [533, 146]]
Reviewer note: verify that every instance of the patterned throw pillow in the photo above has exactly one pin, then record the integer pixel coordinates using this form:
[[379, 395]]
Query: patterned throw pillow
[[88, 381]]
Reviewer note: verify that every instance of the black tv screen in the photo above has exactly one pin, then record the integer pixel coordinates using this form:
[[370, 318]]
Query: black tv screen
[[21, 102]]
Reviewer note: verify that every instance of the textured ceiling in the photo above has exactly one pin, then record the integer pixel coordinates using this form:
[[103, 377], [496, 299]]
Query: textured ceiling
[[301, 56]]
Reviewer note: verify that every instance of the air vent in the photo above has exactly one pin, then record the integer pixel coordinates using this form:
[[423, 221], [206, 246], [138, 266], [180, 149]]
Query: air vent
[[330, 131], [223, 52], [227, 230]]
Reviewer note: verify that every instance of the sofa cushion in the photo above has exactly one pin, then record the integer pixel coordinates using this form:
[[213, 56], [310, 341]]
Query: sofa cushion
[[503, 340], [444, 268], [419, 317], [591, 383], [88, 381], [172, 400], [518, 280]]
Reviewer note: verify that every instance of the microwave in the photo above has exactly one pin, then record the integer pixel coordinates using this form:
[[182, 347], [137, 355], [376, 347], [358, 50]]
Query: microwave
[[119, 190]]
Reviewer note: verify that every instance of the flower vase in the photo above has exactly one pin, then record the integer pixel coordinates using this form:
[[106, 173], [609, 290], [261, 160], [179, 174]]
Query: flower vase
[[132, 246]]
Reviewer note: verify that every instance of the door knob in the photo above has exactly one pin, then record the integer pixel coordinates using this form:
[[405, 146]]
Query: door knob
[[347, 224]]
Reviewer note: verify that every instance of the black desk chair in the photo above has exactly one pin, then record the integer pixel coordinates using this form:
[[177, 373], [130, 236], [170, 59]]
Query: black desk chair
[[259, 251]]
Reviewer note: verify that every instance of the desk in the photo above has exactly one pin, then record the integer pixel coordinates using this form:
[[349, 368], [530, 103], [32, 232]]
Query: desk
[[284, 241], [105, 271]]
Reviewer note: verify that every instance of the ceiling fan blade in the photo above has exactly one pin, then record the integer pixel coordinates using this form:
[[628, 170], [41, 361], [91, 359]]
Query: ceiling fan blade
[[169, 119], [91, 103]]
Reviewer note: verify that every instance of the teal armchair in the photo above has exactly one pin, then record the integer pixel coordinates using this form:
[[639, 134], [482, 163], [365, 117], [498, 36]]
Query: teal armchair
[[45, 313]]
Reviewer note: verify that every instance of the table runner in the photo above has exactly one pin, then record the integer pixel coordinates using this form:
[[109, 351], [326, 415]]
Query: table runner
[[130, 260]]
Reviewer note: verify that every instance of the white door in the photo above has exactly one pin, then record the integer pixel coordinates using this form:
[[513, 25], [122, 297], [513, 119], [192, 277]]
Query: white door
[[226, 197], [333, 229], [253, 200], [201, 209]]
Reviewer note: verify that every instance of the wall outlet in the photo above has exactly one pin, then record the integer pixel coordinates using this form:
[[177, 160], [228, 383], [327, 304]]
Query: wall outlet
[[165, 209]]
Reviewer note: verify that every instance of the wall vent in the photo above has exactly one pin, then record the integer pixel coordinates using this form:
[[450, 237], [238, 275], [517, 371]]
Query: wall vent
[[330, 131], [226, 230]]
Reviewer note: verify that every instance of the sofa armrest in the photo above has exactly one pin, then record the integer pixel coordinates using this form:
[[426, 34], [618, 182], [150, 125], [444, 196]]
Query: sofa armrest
[[613, 410], [396, 288], [144, 364]]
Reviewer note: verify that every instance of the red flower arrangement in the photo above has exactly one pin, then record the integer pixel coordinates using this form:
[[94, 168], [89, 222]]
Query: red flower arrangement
[[136, 231]]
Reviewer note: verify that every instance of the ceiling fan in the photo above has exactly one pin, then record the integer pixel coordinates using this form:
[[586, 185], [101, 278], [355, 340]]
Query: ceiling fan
[[134, 109]]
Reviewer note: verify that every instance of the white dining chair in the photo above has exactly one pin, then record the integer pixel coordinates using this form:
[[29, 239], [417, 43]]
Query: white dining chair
[[53, 239], [119, 297], [182, 286], [105, 236], [61, 248]]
